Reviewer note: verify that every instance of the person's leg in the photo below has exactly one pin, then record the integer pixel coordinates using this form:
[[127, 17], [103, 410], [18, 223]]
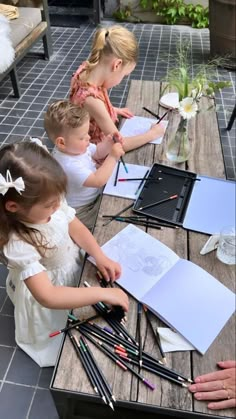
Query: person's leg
[[87, 214]]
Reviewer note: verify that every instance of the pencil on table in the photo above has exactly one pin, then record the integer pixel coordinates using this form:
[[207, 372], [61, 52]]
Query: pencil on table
[[118, 213], [88, 370], [151, 112], [139, 313], [143, 223], [139, 178], [158, 202], [141, 183], [74, 325], [155, 334], [118, 361], [102, 380]]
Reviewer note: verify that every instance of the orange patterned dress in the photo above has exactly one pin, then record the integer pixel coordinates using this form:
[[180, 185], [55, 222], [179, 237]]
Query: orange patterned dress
[[80, 90]]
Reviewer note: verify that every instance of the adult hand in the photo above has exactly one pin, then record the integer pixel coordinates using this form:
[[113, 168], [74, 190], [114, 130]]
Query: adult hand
[[218, 386]]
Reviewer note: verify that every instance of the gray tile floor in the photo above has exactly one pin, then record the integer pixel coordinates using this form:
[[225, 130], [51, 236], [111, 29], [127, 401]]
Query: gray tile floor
[[24, 387]]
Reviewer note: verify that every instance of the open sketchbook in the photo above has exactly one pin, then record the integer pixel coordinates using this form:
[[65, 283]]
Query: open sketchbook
[[183, 295], [139, 125], [129, 189]]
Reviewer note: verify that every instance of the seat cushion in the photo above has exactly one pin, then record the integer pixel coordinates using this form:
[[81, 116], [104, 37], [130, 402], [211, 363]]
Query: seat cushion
[[28, 19]]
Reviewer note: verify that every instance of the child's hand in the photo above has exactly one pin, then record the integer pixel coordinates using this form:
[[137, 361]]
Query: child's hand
[[125, 112], [116, 297], [117, 151], [156, 131], [109, 269], [117, 138]]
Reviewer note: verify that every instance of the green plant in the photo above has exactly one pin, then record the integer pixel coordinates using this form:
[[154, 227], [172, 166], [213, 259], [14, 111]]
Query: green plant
[[124, 14], [174, 11], [193, 81]]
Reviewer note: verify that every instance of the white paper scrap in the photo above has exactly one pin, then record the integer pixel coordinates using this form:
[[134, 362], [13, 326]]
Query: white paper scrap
[[172, 341]]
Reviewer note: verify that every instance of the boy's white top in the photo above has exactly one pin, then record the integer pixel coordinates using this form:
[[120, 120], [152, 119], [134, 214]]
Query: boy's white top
[[33, 323], [78, 169]]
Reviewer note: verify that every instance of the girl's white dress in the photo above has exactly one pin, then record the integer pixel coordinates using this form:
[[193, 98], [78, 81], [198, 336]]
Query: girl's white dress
[[33, 322]]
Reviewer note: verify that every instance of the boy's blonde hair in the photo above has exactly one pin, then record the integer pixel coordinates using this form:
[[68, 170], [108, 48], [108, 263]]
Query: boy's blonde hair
[[61, 116], [114, 40]]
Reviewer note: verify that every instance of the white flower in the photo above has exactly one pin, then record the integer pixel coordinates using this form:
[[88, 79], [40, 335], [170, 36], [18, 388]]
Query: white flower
[[188, 108]]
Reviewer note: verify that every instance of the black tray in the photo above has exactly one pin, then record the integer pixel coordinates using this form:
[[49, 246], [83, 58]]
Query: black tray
[[171, 181]]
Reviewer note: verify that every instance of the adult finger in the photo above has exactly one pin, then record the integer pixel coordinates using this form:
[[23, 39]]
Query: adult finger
[[227, 364], [212, 376], [212, 395], [208, 386], [224, 404]]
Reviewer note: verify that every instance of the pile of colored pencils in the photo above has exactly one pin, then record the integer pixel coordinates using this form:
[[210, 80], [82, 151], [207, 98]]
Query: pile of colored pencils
[[117, 344]]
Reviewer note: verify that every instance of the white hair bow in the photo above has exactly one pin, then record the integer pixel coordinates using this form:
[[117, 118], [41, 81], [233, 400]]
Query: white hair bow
[[7, 183]]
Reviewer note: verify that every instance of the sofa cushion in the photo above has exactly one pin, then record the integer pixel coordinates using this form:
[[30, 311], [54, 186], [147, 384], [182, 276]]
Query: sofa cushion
[[28, 19]]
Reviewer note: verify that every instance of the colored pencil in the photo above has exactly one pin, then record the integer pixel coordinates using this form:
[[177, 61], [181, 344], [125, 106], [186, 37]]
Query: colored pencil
[[155, 334], [74, 325], [139, 314], [158, 202], [118, 213], [95, 371], [146, 219], [87, 369], [139, 223], [109, 338], [107, 388], [154, 371], [121, 159], [138, 178], [117, 172], [151, 113], [162, 117], [112, 337], [141, 183], [117, 360]]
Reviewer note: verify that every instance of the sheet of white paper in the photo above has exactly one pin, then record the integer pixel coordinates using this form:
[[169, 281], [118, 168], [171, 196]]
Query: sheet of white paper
[[186, 297], [172, 341], [139, 125], [126, 189], [211, 206], [144, 259]]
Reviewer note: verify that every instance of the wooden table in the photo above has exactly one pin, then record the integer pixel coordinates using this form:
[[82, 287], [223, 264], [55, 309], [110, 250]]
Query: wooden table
[[134, 400]]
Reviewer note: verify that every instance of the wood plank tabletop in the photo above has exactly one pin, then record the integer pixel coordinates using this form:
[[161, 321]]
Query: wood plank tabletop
[[69, 376]]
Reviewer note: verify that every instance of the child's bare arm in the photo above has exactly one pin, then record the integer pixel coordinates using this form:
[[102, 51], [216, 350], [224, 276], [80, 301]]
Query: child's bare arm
[[98, 111], [110, 269], [60, 297], [102, 174]]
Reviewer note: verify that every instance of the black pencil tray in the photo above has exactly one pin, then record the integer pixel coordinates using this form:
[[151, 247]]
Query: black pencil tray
[[168, 181]]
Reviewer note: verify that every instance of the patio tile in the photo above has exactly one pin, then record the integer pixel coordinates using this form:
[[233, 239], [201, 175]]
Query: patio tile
[[15, 401], [23, 369]]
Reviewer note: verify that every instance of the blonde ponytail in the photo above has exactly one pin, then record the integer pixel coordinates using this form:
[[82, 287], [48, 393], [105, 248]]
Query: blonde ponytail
[[114, 40]]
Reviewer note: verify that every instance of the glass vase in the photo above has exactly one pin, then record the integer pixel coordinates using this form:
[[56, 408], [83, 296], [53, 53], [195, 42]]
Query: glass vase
[[178, 150]]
